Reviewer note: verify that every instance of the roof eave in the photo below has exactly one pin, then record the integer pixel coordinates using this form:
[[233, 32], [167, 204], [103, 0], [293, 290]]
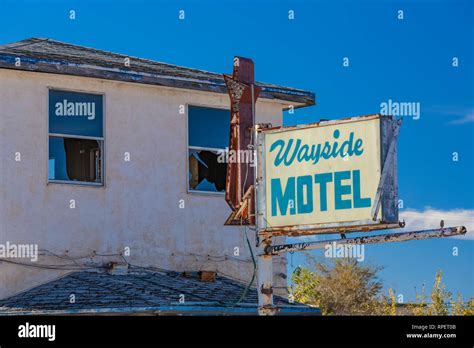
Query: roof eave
[[7, 61], [167, 310]]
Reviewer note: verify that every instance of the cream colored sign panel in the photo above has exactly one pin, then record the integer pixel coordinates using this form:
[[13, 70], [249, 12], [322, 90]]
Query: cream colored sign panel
[[326, 174]]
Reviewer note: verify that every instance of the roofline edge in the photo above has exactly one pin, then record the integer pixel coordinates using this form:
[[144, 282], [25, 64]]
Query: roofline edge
[[7, 61]]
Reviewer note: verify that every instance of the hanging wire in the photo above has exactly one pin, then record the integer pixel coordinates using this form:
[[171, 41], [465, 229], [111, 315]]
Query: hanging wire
[[244, 294], [56, 267], [77, 266]]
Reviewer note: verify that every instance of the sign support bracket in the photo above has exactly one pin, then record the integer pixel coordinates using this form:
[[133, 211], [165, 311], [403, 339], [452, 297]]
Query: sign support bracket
[[377, 239], [387, 167]]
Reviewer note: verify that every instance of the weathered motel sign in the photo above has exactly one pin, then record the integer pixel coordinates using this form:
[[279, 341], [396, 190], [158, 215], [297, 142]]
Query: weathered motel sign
[[333, 176], [328, 177]]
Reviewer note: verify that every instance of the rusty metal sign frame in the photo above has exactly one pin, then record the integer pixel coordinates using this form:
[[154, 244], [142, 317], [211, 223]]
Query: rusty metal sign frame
[[386, 196], [240, 177]]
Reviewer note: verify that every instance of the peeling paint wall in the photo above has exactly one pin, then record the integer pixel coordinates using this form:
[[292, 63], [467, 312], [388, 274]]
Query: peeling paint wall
[[139, 205]]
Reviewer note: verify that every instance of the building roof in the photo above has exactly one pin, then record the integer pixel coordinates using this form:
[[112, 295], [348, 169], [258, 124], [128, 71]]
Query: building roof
[[141, 291], [51, 56]]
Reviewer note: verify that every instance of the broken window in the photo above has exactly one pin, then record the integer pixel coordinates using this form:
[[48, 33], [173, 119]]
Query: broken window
[[75, 137], [208, 139], [73, 159]]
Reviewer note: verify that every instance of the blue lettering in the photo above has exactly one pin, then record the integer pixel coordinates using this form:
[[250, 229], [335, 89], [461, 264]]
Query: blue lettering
[[322, 180], [358, 201], [279, 157], [286, 153], [340, 190], [283, 199], [305, 208]]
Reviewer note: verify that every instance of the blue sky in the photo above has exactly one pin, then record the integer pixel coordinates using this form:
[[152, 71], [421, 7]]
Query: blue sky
[[407, 60]]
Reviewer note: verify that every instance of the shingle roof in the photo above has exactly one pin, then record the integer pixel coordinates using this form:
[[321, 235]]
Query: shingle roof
[[140, 291], [50, 56]]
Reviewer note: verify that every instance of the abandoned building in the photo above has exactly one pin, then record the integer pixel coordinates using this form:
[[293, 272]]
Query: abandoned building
[[108, 166]]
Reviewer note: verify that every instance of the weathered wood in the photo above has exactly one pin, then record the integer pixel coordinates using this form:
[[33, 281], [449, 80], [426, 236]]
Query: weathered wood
[[50, 56]]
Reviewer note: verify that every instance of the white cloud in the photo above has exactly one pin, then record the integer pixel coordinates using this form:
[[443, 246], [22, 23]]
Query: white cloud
[[458, 115], [465, 119], [430, 218]]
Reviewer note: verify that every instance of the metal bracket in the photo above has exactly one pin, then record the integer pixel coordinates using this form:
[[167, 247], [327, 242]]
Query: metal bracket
[[266, 291], [387, 167], [268, 310], [245, 214], [375, 239]]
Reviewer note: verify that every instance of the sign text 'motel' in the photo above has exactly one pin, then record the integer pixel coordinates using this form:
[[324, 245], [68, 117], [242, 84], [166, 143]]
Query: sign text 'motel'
[[323, 174]]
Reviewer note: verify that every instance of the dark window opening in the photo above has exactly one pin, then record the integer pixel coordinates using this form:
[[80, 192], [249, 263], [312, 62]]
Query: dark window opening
[[72, 159], [206, 173]]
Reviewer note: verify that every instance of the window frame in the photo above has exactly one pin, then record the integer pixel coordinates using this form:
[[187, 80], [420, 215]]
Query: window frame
[[100, 140], [188, 147]]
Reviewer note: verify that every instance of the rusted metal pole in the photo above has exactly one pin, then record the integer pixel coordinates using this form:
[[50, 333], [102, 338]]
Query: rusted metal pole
[[265, 280], [243, 93], [244, 186], [382, 238], [264, 261]]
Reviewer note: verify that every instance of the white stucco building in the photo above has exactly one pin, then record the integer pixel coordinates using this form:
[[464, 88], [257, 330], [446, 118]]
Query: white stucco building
[[94, 163]]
